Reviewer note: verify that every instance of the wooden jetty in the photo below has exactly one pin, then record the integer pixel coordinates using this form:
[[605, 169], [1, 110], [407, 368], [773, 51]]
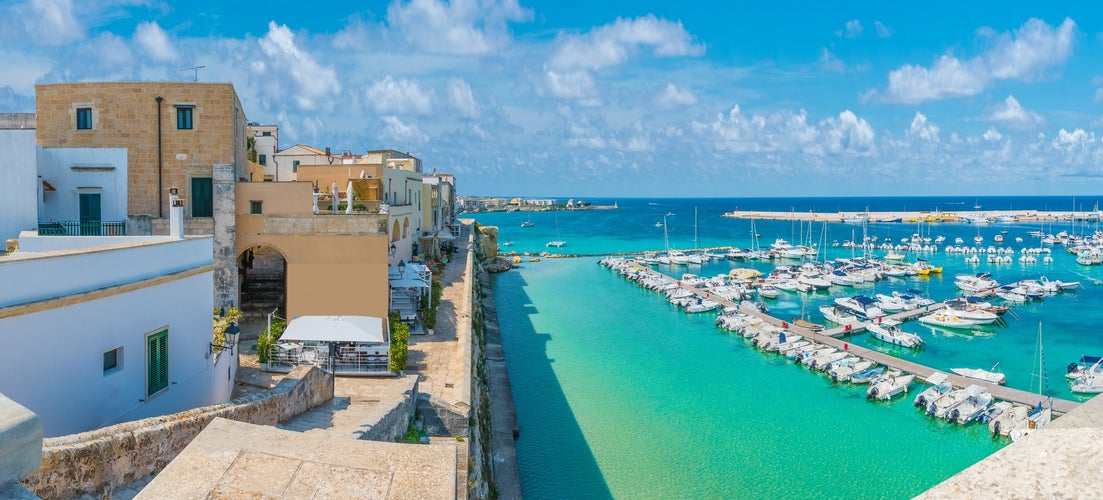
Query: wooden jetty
[[830, 338]]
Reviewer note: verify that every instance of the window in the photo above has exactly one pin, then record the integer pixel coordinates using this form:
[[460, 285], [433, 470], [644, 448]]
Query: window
[[295, 166], [266, 134], [255, 207], [157, 362], [84, 118], [262, 159], [202, 197], [112, 360], [184, 119]]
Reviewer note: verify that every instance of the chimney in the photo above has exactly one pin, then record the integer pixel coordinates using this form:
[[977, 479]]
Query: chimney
[[176, 214]]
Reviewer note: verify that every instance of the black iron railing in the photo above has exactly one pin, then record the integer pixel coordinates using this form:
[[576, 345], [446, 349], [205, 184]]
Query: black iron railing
[[82, 228]]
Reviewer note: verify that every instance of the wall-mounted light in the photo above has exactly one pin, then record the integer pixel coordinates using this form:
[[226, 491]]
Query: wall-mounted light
[[230, 342], [393, 250]]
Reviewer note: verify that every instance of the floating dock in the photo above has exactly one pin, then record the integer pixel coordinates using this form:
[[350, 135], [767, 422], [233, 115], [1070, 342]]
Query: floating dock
[[830, 338]]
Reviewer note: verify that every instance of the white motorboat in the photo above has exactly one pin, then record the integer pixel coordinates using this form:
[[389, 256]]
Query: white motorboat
[[889, 331], [1088, 365], [1036, 418], [940, 408], [1089, 383], [994, 411], [822, 363], [841, 371], [975, 283], [1008, 420], [946, 320], [806, 358], [814, 280], [990, 376], [866, 376], [838, 315], [973, 405], [889, 385], [861, 306], [938, 388], [768, 291]]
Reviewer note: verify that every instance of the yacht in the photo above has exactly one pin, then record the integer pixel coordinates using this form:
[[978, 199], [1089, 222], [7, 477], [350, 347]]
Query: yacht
[[838, 315], [861, 306]]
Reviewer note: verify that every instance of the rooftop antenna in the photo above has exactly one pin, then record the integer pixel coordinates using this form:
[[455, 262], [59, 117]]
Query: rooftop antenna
[[196, 70]]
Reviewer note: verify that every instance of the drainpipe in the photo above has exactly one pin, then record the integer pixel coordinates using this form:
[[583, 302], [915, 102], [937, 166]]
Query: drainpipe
[[160, 164]]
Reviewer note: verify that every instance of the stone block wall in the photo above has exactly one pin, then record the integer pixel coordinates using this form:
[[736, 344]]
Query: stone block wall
[[124, 115], [395, 421], [100, 460]]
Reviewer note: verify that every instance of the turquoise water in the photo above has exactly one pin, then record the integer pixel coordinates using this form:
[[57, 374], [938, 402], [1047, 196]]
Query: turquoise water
[[620, 394]]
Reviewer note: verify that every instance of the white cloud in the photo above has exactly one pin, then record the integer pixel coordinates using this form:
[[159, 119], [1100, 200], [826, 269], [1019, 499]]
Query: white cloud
[[921, 129], [1026, 54], [1031, 50], [829, 62], [154, 42], [1072, 140], [882, 30], [612, 44], [992, 135], [847, 134], [462, 98], [43, 22], [853, 28], [399, 96], [460, 27], [578, 85], [294, 74], [948, 77], [673, 97], [788, 132], [568, 72], [400, 132], [1012, 113]]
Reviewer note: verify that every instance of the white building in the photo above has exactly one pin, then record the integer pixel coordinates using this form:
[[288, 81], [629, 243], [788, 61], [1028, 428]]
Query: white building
[[17, 175], [82, 185], [266, 141], [99, 330]]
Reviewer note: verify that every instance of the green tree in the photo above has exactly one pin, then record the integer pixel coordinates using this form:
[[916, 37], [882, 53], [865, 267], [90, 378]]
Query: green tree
[[270, 337], [252, 142]]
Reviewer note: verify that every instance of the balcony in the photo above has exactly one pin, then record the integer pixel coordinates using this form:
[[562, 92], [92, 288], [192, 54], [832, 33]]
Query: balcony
[[82, 228]]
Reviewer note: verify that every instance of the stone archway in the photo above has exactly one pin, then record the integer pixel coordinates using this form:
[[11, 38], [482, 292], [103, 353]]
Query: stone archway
[[262, 271]]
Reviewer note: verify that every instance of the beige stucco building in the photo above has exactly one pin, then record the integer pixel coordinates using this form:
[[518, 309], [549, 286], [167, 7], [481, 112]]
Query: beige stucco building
[[336, 264]]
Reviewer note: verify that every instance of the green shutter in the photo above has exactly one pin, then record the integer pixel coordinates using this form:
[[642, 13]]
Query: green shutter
[[202, 197], [157, 359]]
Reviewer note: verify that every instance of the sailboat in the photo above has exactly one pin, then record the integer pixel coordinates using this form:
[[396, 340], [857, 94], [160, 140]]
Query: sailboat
[[558, 241], [529, 222], [1041, 414]]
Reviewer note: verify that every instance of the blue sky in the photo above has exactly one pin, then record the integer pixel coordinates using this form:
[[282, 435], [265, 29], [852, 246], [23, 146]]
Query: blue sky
[[640, 98]]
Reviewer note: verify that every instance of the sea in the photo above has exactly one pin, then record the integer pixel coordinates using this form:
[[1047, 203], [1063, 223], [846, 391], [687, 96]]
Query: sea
[[621, 395]]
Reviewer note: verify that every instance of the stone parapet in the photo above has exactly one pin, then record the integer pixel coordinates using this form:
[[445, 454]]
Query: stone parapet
[[394, 421], [20, 445], [294, 224], [103, 459]]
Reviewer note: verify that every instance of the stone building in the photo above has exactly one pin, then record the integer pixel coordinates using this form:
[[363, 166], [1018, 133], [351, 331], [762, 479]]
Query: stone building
[[184, 135]]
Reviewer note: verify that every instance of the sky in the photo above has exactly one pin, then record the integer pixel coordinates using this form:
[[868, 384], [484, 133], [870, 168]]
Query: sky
[[637, 98]]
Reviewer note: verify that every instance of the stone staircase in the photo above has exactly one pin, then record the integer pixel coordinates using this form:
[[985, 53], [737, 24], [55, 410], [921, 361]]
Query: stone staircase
[[318, 418]]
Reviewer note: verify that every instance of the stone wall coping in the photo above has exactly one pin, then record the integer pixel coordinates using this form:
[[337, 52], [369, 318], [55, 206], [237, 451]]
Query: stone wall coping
[[20, 441]]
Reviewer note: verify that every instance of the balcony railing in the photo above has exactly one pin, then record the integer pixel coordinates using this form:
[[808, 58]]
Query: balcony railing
[[82, 228]]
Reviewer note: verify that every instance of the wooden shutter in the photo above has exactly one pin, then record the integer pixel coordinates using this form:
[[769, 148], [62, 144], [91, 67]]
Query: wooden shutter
[[157, 357]]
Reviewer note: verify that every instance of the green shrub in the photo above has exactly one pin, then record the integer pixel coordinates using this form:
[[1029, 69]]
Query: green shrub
[[269, 338], [400, 342]]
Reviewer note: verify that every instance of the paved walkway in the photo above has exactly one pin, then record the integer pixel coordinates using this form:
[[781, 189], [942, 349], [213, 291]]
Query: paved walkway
[[443, 360]]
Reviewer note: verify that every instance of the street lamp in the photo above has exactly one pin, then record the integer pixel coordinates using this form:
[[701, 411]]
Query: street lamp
[[402, 269], [230, 341]]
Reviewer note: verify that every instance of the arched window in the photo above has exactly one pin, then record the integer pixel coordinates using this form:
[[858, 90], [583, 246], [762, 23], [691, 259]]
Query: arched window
[[395, 232], [406, 227]]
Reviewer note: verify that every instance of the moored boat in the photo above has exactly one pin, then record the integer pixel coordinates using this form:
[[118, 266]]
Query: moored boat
[[990, 376], [889, 385]]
